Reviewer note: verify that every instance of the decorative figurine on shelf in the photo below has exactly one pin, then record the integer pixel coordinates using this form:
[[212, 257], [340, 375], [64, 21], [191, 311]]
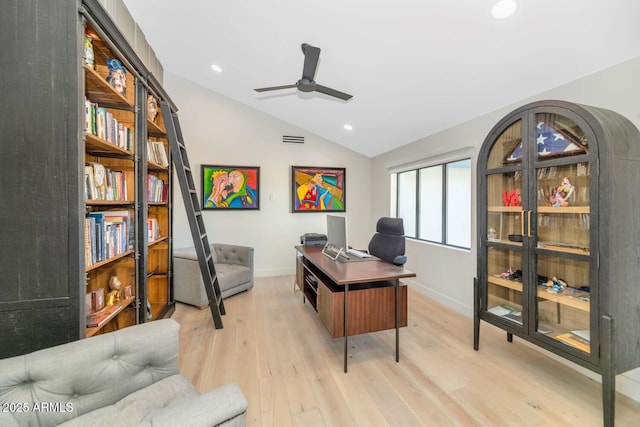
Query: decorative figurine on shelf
[[115, 285], [152, 108], [561, 196], [117, 76], [492, 234], [511, 198], [555, 285]]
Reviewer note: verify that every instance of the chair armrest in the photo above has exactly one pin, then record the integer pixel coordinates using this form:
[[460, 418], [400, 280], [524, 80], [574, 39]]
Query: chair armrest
[[233, 254], [209, 409], [400, 260]]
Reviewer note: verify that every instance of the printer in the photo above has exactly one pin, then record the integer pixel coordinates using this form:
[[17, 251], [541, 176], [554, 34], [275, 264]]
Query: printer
[[313, 239]]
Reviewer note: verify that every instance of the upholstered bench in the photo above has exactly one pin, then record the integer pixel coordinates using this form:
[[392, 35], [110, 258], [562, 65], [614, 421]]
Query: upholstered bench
[[233, 264]]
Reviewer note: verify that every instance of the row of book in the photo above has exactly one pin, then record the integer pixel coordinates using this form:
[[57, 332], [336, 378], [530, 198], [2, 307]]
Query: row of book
[[102, 183], [157, 153], [157, 189], [107, 234], [100, 122]]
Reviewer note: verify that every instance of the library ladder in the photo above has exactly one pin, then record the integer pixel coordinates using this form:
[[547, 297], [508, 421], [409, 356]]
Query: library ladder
[[194, 214]]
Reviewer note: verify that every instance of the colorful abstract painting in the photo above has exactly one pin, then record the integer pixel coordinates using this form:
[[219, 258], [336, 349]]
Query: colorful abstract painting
[[230, 187], [316, 189]]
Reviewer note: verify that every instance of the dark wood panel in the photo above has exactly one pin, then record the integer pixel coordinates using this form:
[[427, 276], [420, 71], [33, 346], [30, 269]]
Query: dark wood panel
[[370, 310], [39, 176]]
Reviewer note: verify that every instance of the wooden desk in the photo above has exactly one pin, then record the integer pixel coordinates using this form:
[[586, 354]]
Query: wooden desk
[[353, 297]]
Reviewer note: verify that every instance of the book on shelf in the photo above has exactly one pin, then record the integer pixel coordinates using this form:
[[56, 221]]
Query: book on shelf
[[157, 153], [578, 339], [110, 233], [154, 230], [100, 318], [157, 189], [102, 183], [97, 300], [100, 122], [507, 312]]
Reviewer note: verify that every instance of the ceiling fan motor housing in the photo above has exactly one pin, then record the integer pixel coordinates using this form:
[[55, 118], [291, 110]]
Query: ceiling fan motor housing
[[306, 85]]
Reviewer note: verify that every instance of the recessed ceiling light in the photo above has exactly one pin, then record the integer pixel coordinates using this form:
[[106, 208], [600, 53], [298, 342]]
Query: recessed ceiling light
[[348, 127], [504, 9], [216, 68]]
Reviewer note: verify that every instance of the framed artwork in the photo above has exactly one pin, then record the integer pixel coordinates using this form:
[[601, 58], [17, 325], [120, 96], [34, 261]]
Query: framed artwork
[[317, 189], [230, 187]]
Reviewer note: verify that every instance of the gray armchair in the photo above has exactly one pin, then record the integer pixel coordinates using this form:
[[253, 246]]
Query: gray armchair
[[233, 264]]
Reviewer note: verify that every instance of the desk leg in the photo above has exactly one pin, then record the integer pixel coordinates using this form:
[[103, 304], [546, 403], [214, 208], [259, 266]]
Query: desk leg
[[346, 326], [397, 320]]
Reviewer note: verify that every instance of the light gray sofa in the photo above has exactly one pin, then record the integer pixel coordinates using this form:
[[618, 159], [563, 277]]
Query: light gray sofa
[[233, 264], [128, 377]]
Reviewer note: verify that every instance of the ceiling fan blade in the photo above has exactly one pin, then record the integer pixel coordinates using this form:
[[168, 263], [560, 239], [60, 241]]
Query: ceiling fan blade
[[333, 92], [265, 89], [311, 56]]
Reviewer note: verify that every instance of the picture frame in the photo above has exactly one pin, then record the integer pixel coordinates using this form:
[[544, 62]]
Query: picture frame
[[318, 189], [227, 187]]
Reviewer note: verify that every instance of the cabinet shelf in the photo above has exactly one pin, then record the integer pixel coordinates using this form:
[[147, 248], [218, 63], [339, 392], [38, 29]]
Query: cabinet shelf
[[155, 130], [108, 261], [99, 147], [563, 210], [506, 283], [542, 209], [513, 209], [556, 247], [564, 299], [157, 241], [96, 202], [156, 167], [124, 303]]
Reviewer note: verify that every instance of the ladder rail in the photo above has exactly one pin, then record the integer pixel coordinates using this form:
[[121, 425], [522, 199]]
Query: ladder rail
[[194, 214]]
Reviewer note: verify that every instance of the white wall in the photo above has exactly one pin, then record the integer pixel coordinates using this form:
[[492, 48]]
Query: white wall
[[218, 130], [445, 274]]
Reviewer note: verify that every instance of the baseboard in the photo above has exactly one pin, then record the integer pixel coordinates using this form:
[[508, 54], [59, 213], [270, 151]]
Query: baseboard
[[445, 300], [270, 272]]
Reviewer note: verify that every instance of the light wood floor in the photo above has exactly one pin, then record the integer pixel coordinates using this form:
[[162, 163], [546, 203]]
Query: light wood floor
[[291, 371]]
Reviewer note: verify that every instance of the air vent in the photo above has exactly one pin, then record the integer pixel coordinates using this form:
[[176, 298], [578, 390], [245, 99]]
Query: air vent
[[288, 139]]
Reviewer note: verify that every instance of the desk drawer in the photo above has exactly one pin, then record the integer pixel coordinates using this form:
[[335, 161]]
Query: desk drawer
[[370, 309]]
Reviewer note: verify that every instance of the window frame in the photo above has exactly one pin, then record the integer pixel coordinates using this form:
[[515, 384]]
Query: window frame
[[443, 164]]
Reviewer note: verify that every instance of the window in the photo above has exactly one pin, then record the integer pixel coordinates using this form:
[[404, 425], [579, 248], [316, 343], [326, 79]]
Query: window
[[435, 202]]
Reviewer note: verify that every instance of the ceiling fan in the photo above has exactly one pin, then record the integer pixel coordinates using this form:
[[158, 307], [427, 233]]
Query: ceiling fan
[[306, 83]]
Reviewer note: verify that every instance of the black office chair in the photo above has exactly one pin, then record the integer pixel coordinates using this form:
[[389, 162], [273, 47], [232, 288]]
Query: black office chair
[[388, 242]]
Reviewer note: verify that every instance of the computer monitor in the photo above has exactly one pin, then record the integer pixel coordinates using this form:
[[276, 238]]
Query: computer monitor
[[336, 236]]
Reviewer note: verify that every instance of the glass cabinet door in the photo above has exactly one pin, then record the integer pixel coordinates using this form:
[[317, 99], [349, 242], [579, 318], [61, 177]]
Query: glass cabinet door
[[504, 227], [562, 232]]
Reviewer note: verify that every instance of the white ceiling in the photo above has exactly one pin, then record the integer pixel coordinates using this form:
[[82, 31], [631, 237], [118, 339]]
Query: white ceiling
[[414, 67]]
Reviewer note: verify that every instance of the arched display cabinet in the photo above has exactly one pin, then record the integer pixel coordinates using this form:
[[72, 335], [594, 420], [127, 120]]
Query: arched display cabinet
[[558, 236]]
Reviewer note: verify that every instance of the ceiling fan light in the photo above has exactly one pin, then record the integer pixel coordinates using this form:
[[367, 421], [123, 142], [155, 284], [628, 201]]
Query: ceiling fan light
[[216, 68], [504, 9], [348, 126]]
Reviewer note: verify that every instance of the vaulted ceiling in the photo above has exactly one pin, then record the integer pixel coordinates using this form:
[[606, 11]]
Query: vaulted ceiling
[[414, 67]]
